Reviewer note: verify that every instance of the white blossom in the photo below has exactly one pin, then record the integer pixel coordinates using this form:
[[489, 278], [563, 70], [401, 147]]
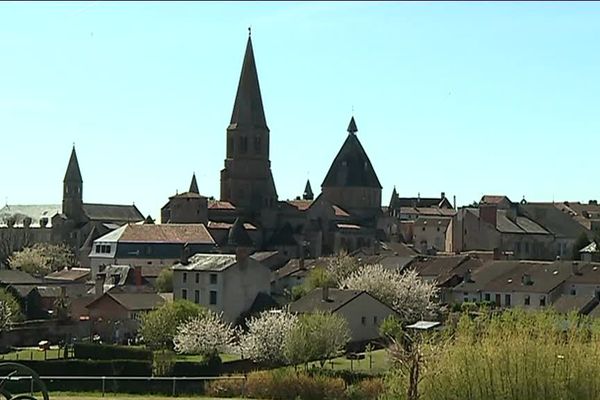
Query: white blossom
[[206, 334], [267, 336], [6, 315], [405, 292]]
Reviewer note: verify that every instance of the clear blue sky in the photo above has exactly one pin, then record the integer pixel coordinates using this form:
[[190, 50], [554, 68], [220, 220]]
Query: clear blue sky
[[466, 98]]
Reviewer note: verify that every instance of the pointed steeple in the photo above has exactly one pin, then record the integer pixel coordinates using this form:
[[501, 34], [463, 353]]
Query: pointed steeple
[[394, 197], [352, 129], [308, 193], [194, 185], [248, 107], [73, 173]]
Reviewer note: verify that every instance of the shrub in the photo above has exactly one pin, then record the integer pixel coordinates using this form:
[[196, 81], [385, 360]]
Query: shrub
[[163, 363], [367, 389], [207, 367], [94, 351], [289, 385], [225, 388]]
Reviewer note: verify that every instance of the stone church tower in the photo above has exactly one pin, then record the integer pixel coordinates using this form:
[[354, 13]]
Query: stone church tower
[[246, 180], [72, 203], [351, 182]]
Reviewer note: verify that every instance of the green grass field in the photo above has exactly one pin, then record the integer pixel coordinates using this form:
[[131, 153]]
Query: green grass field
[[32, 353], [378, 363], [117, 396]]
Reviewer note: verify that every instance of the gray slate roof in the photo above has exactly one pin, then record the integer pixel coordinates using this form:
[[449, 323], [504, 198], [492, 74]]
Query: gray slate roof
[[313, 301], [13, 277], [34, 211], [351, 167], [209, 262], [112, 212]]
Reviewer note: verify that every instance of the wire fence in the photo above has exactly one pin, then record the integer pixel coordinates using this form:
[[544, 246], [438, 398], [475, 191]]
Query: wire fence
[[103, 380]]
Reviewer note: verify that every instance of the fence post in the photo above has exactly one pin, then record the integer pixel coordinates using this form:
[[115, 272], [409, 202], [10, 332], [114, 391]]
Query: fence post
[[31, 355], [173, 392], [103, 385], [31, 386]]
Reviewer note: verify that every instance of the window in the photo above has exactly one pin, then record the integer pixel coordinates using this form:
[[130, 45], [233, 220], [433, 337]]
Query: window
[[257, 145], [213, 297], [542, 301], [375, 320], [184, 277], [184, 294], [243, 145], [486, 297], [507, 300], [197, 277], [197, 296], [573, 291], [97, 248], [526, 300], [363, 320], [213, 279], [230, 142]]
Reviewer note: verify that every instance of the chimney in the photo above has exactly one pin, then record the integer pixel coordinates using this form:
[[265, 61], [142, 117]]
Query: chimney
[[99, 285], [526, 280], [138, 275], [185, 254], [325, 293], [487, 213], [454, 202], [467, 276], [575, 268], [497, 253], [242, 253], [301, 263]]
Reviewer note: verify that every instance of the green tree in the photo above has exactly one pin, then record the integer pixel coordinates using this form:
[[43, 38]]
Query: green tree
[[164, 281], [317, 336], [391, 328], [12, 304], [42, 258], [579, 244], [159, 327]]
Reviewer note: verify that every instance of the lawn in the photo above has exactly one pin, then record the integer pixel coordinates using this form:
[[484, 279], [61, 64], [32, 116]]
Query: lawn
[[378, 363], [32, 353], [118, 396]]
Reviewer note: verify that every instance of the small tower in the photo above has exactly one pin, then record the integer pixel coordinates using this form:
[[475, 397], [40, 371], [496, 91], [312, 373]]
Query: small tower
[[72, 203], [189, 207], [308, 193]]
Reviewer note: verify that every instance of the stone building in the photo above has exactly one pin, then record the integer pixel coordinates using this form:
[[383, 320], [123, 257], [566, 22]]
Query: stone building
[[344, 215], [74, 223]]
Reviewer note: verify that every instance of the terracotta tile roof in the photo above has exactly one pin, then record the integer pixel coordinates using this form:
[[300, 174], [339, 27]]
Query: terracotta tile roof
[[69, 274], [220, 205], [226, 225], [301, 205], [494, 199], [428, 211], [166, 233], [340, 212]]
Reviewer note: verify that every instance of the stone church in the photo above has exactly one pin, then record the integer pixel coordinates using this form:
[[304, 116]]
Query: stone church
[[344, 216], [73, 222]]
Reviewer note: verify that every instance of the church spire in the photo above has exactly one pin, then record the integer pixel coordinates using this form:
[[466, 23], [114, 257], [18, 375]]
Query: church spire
[[248, 107], [194, 185], [352, 129], [308, 193], [73, 173]]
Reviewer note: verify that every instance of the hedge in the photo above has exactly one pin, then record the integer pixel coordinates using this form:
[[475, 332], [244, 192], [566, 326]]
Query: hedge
[[94, 351], [209, 367]]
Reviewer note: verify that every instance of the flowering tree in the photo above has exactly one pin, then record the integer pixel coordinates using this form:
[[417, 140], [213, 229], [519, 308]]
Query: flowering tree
[[159, 327], [267, 336], [409, 295], [6, 315], [342, 266], [206, 334], [316, 336]]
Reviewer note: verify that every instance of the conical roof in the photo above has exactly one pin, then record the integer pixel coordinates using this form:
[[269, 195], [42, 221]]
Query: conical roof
[[393, 198], [73, 173], [352, 126], [238, 236], [308, 193], [194, 185], [351, 166], [248, 107]]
